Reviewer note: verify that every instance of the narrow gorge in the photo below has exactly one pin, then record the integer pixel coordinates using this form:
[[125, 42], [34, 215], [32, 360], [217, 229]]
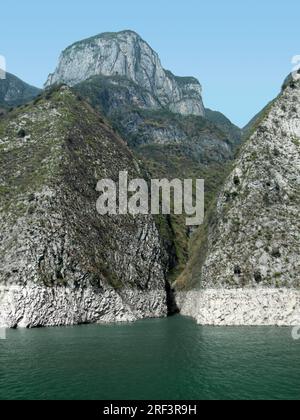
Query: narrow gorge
[[110, 106]]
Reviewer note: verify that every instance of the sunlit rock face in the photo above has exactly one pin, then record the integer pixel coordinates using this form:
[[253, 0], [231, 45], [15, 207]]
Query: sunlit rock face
[[246, 266], [127, 55], [256, 236]]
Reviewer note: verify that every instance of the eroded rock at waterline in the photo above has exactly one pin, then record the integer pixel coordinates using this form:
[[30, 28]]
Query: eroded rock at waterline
[[61, 262], [239, 307], [34, 305]]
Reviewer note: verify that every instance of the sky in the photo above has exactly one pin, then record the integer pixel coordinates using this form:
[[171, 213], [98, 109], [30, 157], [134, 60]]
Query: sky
[[240, 51]]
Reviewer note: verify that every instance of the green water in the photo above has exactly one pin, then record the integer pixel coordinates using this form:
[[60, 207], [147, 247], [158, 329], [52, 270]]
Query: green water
[[156, 359]]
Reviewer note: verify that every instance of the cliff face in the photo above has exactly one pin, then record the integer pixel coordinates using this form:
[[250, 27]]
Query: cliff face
[[127, 55], [128, 107], [14, 91], [253, 238], [61, 262], [257, 232]]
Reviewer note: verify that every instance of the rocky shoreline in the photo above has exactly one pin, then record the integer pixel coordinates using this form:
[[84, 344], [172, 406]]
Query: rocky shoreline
[[242, 307], [38, 306]]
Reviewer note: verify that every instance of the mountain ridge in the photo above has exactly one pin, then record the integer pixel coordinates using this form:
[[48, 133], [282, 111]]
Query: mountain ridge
[[14, 91]]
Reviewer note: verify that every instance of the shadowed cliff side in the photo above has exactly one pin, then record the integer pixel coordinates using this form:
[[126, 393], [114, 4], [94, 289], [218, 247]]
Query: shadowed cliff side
[[61, 262]]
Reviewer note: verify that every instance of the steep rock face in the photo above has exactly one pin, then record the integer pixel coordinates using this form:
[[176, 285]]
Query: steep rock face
[[256, 239], [61, 262], [126, 105], [169, 144], [193, 136], [126, 54], [14, 91], [253, 238], [115, 94]]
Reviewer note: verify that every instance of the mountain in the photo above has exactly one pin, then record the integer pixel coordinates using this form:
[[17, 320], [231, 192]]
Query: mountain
[[126, 55], [253, 124], [170, 145], [246, 257], [14, 92], [61, 262], [122, 78], [129, 114], [233, 132]]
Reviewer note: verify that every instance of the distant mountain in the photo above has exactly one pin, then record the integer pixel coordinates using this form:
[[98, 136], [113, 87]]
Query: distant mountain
[[14, 92], [160, 116], [125, 54], [219, 119]]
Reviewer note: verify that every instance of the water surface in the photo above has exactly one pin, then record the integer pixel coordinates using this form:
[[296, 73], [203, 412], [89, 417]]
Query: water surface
[[157, 359]]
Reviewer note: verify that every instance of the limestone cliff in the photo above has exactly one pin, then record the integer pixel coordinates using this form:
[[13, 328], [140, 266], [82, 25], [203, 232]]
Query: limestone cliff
[[252, 239], [61, 262], [126, 55]]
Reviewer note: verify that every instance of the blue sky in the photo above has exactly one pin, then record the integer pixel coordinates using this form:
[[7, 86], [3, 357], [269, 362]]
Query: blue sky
[[239, 50]]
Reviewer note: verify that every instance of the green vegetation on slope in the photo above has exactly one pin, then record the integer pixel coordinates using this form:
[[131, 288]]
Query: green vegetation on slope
[[190, 278]]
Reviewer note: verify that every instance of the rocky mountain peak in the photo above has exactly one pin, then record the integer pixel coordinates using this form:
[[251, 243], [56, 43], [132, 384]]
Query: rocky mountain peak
[[125, 54]]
